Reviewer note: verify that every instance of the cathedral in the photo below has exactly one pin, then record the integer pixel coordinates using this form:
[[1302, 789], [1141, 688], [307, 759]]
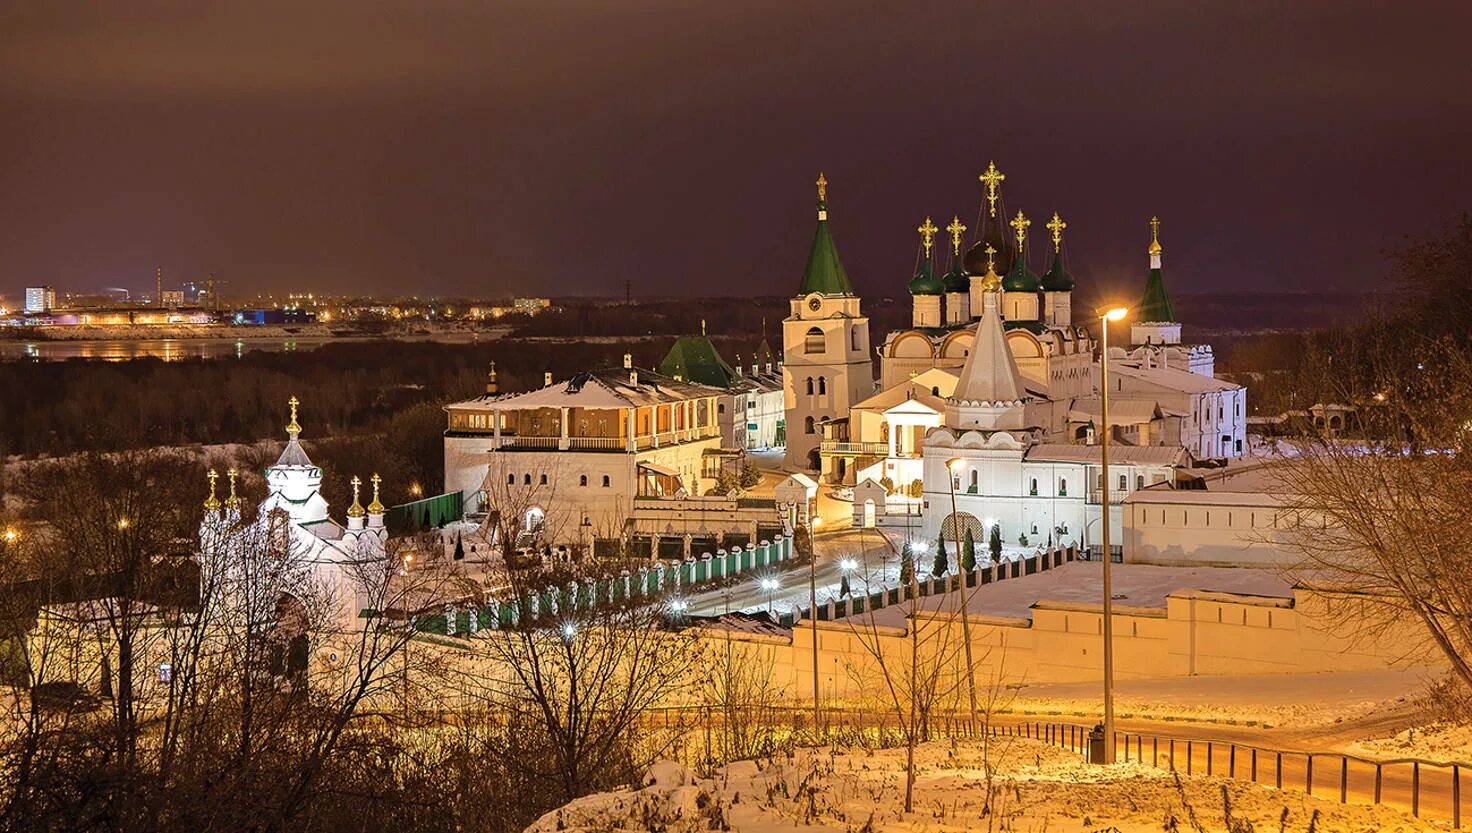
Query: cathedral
[[987, 410]]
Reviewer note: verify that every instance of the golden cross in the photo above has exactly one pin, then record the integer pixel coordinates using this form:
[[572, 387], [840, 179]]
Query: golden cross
[[1056, 225], [356, 483], [212, 503], [1155, 234], [1020, 224], [232, 502], [822, 184], [956, 230], [292, 427], [376, 480], [993, 180], [927, 231], [990, 265]]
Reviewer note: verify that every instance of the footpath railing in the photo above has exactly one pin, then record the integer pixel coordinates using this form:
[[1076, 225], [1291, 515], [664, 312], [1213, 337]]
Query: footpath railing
[[1426, 789]]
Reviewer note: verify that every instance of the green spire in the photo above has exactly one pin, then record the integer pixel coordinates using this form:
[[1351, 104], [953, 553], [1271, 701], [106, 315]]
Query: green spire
[[1155, 305], [824, 273], [694, 359]]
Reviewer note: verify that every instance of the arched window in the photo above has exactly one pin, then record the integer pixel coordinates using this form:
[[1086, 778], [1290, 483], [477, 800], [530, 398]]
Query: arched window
[[1062, 487], [510, 480], [935, 390], [605, 481], [807, 425], [1033, 490], [1139, 481], [822, 384], [582, 480], [810, 386], [526, 479], [814, 343], [1123, 482], [973, 480], [544, 479]]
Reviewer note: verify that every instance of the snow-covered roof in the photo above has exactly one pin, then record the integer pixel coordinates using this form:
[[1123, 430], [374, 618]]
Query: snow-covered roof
[[900, 394], [1140, 455], [604, 388], [294, 455], [1121, 412], [990, 373], [1172, 378]]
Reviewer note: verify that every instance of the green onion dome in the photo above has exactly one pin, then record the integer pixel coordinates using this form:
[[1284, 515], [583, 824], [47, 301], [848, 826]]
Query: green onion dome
[[925, 282], [956, 280], [1020, 278], [1057, 279]]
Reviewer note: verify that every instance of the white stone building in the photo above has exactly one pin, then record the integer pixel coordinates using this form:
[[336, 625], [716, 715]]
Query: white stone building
[[576, 456]]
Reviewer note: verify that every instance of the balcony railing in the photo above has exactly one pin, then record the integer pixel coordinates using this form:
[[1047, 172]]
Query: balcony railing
[[1115, 495], [833, 448], [514, 441]]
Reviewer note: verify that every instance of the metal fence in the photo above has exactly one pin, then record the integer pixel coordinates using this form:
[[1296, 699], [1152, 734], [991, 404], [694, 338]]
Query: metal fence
[[1427, 789]]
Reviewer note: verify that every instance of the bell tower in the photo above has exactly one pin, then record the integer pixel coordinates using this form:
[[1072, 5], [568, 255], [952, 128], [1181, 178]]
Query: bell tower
[[826, 367]]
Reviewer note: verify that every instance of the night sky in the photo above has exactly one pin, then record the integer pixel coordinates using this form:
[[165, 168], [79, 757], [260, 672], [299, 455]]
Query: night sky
[[560, 148]]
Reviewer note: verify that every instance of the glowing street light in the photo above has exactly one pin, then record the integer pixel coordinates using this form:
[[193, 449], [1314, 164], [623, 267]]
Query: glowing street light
[[953, 466], [122, 523], [813, 604], [1111, 314], [771, 585]]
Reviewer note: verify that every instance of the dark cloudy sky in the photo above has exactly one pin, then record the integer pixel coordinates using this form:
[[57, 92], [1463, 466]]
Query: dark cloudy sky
[[561, 147]]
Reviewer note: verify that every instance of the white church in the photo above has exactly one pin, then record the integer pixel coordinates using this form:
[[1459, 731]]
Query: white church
[[991, 398]]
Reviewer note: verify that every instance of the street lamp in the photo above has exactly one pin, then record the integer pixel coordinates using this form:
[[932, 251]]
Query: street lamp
[[771, 585], [847, 565], [953, 466], [1112, 314], [813, 605]]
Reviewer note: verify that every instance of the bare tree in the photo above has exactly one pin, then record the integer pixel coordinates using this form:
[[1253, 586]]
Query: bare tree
[[916, 673], [579, 686], [1381, 515]]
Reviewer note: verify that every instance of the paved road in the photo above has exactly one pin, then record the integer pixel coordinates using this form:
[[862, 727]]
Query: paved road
[[873, 551]]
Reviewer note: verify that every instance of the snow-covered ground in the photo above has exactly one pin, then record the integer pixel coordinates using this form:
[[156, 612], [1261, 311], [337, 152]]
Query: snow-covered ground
[[1447, 742], [1032, 787]]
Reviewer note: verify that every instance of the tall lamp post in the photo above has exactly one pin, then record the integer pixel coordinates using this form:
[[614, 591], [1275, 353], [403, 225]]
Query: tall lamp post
[[1112, 314], [813, 605], [953, 466]]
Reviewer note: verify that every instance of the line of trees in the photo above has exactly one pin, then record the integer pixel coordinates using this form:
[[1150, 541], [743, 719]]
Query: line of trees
[[1380, 514]]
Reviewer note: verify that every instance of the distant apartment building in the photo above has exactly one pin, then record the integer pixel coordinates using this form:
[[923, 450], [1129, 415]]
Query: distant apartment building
[[530, 306], [172, 298], [40, 298]]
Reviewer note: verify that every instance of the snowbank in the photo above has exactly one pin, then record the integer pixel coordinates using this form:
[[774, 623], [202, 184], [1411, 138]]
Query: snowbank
[[1015, 785]]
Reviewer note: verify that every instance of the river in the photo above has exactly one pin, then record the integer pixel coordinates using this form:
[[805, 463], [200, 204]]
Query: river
[[178, 349]]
